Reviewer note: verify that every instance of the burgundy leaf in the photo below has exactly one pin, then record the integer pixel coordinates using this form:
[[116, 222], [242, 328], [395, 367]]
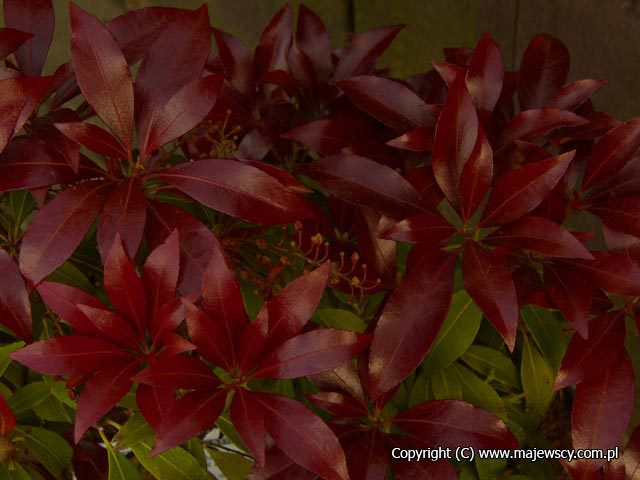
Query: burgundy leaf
[[102, 73], [530, 124], [7, 418], [410, 321], [124, 213], [476, 176], [620, 213], [429, 228], [279, 466], [273, 45], [252, 341], [102, 393], [285, 178], [175, 59], [612, 272], [312, 39], [544, 69], [236, 189], [70, 355], [389, 101], [455, 138], [449, 72], [178, 371], [124, 288], [111, 326], [206, 334], [571, 293], [173, 344], [15, 309], [368, 457], [364, 182], [574, 94], [190, 415], [378, 253], [11, 39], [236, 61], [519, 191], [362, 53], [35, 17], [612, 152], [417, 140], [310, 353], [602, 409], [303, 436], [93, 137], [160, 275], [155, 403], [64, 300], [451, 423], [591, 357], [165, 320], [339, 404], [248, 419], [484, 77], [59, 228]]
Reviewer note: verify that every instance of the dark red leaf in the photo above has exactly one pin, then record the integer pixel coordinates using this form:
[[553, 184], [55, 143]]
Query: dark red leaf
[[458, 56], [390, 101], [15, 309], [11, 39], [111, 326], [339, 404], [178, 371], [410, 321], [160, 276], [102, 73], [484, 77], [35, 17], [7, 418], [451, 423], [248, 419], [626, 181], [124, 288], [165, 320], [519, 191], [364, 182], [279, 466], [591, 357], [102, 393], [173, 344], [574, 94], [93, 137], [362, 53], [530, 124], [236, 189], [155, 403], [602, 408], [368, 457], [612, 272], [571, 293], [190, 415], [620, 213], [273, 46], [205, 333], [417, 140], [70, 355], [491, 287], [64, 300], [476, 176], [285, 178], [378, 255], [429, 228], [449, 72], [236, 61], [252, 341], [544, 69], [124, 213], [312, 39], [303, 436], [59, 228]]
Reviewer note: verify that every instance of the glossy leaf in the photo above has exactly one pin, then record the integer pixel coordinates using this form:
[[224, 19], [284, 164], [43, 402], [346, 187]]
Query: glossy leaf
[[484, 77], [11, 39], [178, 371], [537, 379], [612, 272], [205, 333], [312, 39], [428, 228], [15, 309], [476, 176], [111, 326], [51, 450], [531, 124], [7, 418], [417, 140], [248, 419], [273, 45], [93, 137], [571, 293], [574, 94], [120, 468], [330, 135], [175, 464], [160, 276], [236, 61]]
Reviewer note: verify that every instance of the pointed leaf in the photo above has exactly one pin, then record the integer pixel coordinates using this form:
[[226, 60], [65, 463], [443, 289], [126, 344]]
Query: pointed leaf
[[612, 272], [93, 137], [312, 39], [248, 419], [236, 61], [64, 300], [571, 293], [574, 94], [7, 418], [178, 371], [620, 213], [428, 228], [537, 379], [11, 39], [531, 124], [160, 277], [120, 468], [176, 464], [417, 140], [205, 333], [339, 404], [154, 403], [15, 309], [111, 326], [476, 176], [484, 77], [271, 52]]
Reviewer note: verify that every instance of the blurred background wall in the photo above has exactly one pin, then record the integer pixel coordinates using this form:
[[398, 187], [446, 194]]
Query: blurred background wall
[[603, 36]]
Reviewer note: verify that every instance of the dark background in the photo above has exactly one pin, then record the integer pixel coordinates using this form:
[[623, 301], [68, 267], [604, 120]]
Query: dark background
[[603, 36]]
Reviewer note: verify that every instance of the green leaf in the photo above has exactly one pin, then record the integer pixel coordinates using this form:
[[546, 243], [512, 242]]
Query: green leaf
[[489, 469], [445, 384], [491, 363], [49, 448], [233, 466], [120, 468], [5, 350], [33, 475], [27, 397], [15, 472], [338, 318], [195, 448], [21, 203], [456, 334], [59, 391], [174, 464], [226, 427], [537, 379], [53, 410], [134, 431], [69, 274], [478, 392], [546, 333], [419, 391]]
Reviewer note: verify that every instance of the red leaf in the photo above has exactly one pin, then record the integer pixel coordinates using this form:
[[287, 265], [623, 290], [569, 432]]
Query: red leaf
[[102, 393], [589, 358], [173, 344], [542, 236], [602, 408], [455, 138], [339, 404], [519, 191], [612, 152], [166, 319], [124, 288], [428, 228], [491, 287], [185, 110], [248, 419], [236, 61], [310, 353], [111, 326], [252, 341], [544, 69], [368, 457], [291, 308], [451, 423], [160, 275], [178, 371], [571, 293], [69, 355], [448, 72], [273, 46], [410, 322], [205, 334], [279, 466], [530, 124], [124, 213], [175, 59], [303, 436], [154, 403], [620, 213], [312, 39], [378, 254], [389, 101], [612, 272], [190, 415], [363, 51], [93, 137], [35, 17], [102, 73], [484, 77], [476, 177], [59, 228], [417, 140], [236, 189], [7, 418], [11, 39], [15, 309], [64, 300], [574, 94], [365, 182]]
